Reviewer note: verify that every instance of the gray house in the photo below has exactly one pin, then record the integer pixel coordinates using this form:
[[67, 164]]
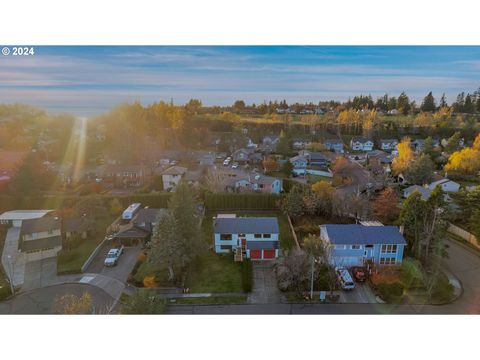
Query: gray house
[[41, 234]]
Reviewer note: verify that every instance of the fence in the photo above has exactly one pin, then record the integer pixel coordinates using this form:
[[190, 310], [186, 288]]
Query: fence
[[464, 234], [293, 232]]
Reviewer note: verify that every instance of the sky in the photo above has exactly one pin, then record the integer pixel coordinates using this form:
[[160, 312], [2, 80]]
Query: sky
[[86, 80]]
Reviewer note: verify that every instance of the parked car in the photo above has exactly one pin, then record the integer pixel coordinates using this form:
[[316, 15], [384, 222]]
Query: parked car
[[113, 256], [359, 274], [344, 278], [235, 165], [226, 162]]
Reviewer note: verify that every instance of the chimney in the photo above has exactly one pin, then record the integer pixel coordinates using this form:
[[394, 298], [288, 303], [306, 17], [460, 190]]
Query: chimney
[[401, 229]]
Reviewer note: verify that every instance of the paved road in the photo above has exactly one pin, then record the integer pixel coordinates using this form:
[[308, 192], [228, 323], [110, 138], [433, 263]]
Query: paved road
[[464, 263], [41, 301], [122, 270], [40, 273]]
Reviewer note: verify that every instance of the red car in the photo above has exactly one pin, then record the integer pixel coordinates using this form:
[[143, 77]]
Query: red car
[[359, 274]]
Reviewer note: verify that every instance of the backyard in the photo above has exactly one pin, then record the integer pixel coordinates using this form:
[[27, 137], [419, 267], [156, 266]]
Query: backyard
[[71, 261]]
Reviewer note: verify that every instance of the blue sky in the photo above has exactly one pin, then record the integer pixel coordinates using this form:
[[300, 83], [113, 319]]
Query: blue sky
[[90, 80]]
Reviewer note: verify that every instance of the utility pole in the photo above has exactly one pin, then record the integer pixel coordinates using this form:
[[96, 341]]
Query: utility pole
[[311, 281]]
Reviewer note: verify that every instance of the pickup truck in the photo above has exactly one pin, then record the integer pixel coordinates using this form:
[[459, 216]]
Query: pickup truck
[[113, 256]]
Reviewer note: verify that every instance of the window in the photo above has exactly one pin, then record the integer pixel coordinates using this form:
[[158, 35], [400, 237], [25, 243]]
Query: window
[[387, 261], [225, 237], [226, 247], [257, 236], [355, 247], [340, 247], [267, 236], [389, 249]]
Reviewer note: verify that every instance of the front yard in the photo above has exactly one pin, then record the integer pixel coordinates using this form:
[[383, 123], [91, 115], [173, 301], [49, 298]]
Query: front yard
[[71, 261]]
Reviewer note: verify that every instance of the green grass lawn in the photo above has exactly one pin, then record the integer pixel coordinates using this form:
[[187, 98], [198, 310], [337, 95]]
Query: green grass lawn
[[212, 272], [213, 300], [70, 262], [312, 179]]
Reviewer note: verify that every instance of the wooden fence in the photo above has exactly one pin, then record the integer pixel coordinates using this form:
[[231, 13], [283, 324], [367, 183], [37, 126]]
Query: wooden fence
[[464, 234]]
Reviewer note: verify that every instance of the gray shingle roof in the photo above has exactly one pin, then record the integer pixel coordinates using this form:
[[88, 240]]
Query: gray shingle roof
[[47, 223], [246, 225], [364, 235]]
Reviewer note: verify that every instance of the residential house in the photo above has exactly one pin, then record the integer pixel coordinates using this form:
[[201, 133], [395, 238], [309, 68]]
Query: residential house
[[242, 155], [316, 158], [256, 238], [388, 144], [255, 158], [123, 175], [193, 177], [16, 217], [140, 228], [269, 143], [361, 144], [76, 227], [334, 145], [357, 244], [172, 176], [446, 185], [254, 183], [424, 191], [40, 234], [298, 144], [299, 163]]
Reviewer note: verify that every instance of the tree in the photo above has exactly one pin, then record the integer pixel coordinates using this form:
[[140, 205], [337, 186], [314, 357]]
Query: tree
[[385, 207], [476, 143], [313, 245], [403, 104], [292, 204], [287, 168], [71, 304], [469, 106], [342, 169], [115, 207], [466, 161], [410, 216], [443, 101], [239, 106], [270, 164], [428, 104], [193, 106], [428, 147], [283, 144], [324, 193], [452, 143], [404, 158], [143, 303], [293, 271], [420, 171]]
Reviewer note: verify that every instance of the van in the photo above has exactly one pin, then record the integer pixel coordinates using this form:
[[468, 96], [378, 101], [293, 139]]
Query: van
[[344, 278]]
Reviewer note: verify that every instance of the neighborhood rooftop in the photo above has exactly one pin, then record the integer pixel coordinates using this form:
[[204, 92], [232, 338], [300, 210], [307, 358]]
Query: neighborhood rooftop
[[246, 225], [364, 235], [23, 214], [31, 226]]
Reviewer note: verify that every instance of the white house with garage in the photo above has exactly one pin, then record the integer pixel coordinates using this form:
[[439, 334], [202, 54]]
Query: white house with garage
[[255, 238], [361, 144], [16, 217]]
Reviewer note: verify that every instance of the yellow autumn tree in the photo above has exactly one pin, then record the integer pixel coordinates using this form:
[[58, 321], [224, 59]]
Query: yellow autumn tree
[[149, 282], [404, 158], [476, 143], [466, 161]]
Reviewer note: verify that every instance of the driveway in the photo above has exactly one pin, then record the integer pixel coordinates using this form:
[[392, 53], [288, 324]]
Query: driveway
[[40, 273], [362, 294], [264, 288], [124, 267]]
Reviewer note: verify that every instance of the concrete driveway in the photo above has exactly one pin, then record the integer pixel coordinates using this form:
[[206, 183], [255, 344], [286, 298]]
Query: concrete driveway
[[122, 269], [40, 273], [264, 289], [362, 294]]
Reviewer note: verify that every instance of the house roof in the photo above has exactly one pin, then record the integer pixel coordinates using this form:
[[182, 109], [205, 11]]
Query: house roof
[[423, 191], [363, 235], [263, 179], [121, 168], [31, 226], [298, 157], [388, 141], [439, 182], [23, 214], [133, 231], [147, 215], [333, 141], [360, 139], [75, 224], [175, 170], [246, 225]]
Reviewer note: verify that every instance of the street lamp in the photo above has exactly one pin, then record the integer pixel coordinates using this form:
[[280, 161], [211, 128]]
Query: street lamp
[[311, 281], [10, 273]]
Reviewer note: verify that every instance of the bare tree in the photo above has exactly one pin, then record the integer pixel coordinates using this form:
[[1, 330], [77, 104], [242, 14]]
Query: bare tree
[[71, 304], [215, 181], [293, 271]]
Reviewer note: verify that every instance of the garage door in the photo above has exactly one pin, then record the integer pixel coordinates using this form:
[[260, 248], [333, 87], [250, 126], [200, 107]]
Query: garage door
[[269, 254], [256, 254]]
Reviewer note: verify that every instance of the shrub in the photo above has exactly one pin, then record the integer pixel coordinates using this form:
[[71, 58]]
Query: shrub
[[149, 282], [247, 276], [390, 293]]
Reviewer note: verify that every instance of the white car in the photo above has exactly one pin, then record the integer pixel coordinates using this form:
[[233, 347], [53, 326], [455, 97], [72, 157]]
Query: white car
[[226, 162], [235, 165], [113, 256], [344, 278]]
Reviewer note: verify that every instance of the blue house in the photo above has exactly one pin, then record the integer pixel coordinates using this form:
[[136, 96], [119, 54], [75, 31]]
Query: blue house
[[256, 238], [334, 145], [355, 244]]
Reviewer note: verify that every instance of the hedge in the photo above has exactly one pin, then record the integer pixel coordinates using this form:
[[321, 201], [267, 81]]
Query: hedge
[[247, 276], [242, 201]]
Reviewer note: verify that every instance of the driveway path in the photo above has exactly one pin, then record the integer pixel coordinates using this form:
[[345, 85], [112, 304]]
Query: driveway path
[[264, 288]]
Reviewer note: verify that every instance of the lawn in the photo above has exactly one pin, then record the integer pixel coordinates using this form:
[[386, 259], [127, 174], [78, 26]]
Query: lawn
[[71, 262], [213, 300], [312, 179]]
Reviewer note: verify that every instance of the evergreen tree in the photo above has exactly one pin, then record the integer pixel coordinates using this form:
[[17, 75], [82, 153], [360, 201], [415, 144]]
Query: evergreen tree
[[443, 101], [403, 103], [469, 106], [428, 104]]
